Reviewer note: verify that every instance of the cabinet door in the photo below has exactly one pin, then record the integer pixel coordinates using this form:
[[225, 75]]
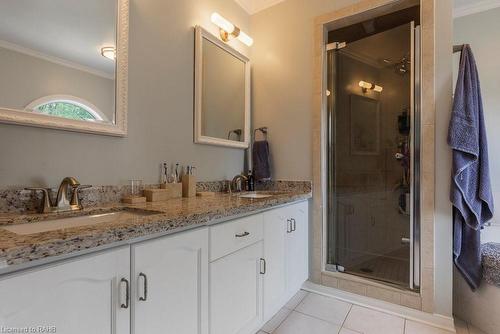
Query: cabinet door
[[75, 297], [297, 247], [236, 292], [170, 284], [275, 291]]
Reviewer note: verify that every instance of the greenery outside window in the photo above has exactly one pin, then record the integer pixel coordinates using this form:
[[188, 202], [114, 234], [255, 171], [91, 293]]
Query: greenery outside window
[[66, 106]]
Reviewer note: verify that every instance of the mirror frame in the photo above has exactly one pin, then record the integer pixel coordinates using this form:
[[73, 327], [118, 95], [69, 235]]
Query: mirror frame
[[19, 117], [199, 138]]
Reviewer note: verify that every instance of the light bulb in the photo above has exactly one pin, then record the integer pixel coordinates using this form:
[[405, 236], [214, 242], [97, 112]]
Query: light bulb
[[245, 39], [365, 85], [222, 23], [108, 52]]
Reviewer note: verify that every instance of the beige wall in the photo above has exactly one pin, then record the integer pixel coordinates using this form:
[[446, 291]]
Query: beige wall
[[161, 66], [480, 30], [26, 78], [282, 59]]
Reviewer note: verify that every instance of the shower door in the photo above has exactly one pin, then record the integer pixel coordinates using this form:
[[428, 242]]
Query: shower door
[[373, 156]]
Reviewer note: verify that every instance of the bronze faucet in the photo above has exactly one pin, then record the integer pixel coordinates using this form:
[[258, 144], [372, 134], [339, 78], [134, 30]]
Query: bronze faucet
[[62, 202]]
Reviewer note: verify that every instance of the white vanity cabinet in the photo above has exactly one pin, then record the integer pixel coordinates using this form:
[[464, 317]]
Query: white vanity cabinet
[[297, 254], [286, 254], [275, 249], [258, 263], [228, 278], [81, 296], [236, 292], [236, 276], [170, 284]]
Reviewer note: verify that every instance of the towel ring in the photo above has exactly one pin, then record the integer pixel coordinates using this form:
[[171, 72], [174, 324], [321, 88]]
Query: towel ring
[[263, 130]]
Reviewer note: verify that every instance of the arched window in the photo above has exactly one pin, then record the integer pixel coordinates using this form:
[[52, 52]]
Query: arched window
[[67, 106]]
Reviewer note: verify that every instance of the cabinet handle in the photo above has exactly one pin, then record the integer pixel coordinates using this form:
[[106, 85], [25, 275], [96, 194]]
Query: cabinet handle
[[242, 235], [289, 226], [127, 286], [145, 296], [263, 265], [294, 224]]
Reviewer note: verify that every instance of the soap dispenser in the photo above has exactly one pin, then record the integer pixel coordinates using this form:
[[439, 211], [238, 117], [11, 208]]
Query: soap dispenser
[[250, 181]]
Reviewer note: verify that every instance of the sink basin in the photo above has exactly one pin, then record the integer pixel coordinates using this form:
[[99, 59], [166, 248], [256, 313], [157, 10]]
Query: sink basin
[[255, 195], [78, 221]]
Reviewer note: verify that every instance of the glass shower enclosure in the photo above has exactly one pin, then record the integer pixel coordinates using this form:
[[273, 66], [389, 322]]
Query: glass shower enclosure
[[373, 156]]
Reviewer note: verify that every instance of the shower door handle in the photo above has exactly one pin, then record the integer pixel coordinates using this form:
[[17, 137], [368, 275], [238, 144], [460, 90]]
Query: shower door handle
[[405, 241]]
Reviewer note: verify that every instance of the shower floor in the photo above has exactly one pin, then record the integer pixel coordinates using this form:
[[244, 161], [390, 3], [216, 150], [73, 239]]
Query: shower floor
[[391, 268]]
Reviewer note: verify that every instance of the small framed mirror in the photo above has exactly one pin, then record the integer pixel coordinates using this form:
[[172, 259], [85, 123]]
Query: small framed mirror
[[64, 64], [222, 93]]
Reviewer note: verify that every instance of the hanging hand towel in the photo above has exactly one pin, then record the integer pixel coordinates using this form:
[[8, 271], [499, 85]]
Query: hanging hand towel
[[261, 164], [470, 185]]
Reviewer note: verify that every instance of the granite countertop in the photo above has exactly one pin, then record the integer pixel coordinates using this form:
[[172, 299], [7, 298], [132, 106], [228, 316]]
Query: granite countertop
[[21, 251], [491, 263]]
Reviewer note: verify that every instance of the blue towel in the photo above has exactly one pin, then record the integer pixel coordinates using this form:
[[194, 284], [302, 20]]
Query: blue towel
[[470, 187], [261, 164]]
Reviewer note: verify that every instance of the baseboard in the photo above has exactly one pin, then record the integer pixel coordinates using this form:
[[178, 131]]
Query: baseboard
[[435, 320]]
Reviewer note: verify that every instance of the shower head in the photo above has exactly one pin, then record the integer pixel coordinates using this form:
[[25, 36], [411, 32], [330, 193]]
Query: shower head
[[401, 66]]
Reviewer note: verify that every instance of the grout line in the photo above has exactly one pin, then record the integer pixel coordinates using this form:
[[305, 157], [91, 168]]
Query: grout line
[[300, 302], [345, 319], [282, 321], [343, 323], [286, 308], [348, 312], [314, 317], [377, 305]]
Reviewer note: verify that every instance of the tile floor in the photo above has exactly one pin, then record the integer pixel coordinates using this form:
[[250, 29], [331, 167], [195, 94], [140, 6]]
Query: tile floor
[[310, 313]]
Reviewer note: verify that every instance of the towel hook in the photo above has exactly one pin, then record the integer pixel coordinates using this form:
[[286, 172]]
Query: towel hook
[[261, 129]]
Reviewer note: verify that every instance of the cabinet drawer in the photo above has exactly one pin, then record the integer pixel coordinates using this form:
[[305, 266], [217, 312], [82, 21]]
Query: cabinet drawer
[[229, 237]]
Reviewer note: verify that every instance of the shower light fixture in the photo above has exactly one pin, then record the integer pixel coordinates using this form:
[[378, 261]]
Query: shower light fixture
[[365, 86], [108, 52], [228, 31]]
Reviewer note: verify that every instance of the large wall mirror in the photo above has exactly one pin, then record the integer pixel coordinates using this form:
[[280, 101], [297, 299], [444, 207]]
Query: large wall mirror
[[63, 64], [222, 93]]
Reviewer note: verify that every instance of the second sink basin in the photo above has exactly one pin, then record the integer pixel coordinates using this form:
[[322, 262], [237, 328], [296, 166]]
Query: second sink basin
[[78, 221]]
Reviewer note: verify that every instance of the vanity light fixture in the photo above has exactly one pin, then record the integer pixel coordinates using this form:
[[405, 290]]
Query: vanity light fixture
[[228, 31], [370, 86], [108, 52]]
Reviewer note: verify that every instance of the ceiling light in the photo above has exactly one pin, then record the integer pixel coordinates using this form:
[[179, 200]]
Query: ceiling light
[[229, 31], [108, 52], [367, 85]]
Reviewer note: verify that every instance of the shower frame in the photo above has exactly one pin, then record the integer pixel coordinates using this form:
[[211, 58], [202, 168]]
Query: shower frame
[[415, 155]]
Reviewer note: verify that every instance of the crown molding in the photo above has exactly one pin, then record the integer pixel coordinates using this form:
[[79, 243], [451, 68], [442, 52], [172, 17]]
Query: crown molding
[[475, 8], [54, 59], [254, 6]]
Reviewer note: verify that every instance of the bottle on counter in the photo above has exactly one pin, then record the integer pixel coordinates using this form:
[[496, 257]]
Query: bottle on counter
[[250, 181]]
